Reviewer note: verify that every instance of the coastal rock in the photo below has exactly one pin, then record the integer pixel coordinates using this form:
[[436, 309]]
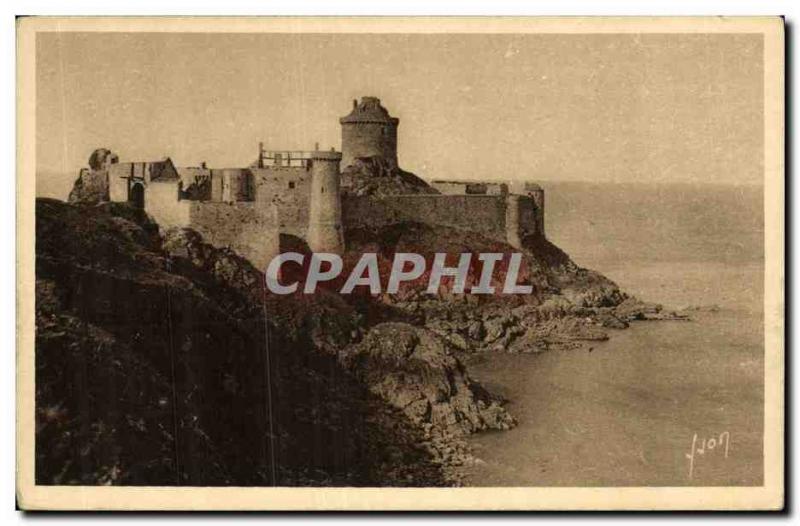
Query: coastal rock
[[476, 330], [412, 369], [610, 320], [91, 186], [379, 375], [88, 188], [496, 327], [102, 157], [150, 351], [374, 176], [634, 309]]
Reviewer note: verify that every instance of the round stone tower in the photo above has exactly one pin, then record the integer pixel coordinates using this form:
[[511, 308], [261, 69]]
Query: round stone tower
[[325, 214], [369, 131]]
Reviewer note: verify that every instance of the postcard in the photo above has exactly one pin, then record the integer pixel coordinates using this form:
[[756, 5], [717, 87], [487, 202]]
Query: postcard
[[400, 263]]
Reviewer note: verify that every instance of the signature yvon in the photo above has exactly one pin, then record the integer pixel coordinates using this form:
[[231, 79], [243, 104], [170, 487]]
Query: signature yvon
[[712, 445]]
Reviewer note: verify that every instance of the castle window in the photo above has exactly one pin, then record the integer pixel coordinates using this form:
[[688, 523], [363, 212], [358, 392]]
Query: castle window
[[291, 184]]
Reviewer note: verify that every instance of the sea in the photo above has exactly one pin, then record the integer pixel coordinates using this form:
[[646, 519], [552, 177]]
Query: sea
[[631, 411], [662, 403]]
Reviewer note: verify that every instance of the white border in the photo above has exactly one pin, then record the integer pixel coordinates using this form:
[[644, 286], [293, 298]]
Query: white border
[[770, 496]]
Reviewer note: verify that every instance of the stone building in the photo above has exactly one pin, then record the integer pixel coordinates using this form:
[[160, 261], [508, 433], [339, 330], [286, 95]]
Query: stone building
[[131, 181], [299, 193], [369, 131]]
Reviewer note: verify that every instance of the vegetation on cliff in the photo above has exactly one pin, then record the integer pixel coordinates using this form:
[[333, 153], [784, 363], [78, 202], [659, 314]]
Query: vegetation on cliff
[[568, 307], [161, 360]]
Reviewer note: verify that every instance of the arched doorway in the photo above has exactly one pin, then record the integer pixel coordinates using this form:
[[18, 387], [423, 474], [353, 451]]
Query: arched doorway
[[136, 197]]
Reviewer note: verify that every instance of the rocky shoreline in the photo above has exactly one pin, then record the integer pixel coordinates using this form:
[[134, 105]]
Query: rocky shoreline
[[152, 347], [463, 332]]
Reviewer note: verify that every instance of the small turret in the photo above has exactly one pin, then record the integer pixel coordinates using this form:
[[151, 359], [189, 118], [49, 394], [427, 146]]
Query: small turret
[[325, 232]]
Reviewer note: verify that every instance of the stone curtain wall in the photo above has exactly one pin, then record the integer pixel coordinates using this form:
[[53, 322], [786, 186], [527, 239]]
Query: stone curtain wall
[[521, 219], [493, 216], [247, 228], [289, 188], [161, 202], [528, 217], [485, 214], [118, 182], [470, 188]]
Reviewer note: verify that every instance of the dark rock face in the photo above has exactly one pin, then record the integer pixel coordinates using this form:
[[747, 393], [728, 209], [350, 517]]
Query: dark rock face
[[162, 361], [415, 371], [91, 186], [156, 365], [375, 176], [569, 306], [101, 158]]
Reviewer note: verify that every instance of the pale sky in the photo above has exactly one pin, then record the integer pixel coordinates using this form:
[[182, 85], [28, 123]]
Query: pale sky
[[651, 108]]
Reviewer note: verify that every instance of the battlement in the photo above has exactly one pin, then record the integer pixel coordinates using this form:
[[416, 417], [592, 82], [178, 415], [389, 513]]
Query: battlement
[[369, 111], [470, 187]]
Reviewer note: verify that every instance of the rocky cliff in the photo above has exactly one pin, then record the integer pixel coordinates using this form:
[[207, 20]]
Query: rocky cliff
[[161, 360], [375, 176], [569, 306]]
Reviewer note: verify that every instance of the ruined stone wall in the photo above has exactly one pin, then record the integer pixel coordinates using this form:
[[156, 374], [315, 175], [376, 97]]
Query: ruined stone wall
[[216, 188], [289, 189], [470, 188], [161, 202], [537, 194], [505, 218], [484, 214], [529, 217], [232, 184], [117, 182], [521, 219], [247, 228], [91, 186]]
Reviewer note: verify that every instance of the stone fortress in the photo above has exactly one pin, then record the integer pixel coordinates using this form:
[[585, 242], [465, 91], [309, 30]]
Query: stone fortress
[[310, 194]]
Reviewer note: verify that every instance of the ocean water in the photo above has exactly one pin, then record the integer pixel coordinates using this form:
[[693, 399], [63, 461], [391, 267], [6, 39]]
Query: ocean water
[[629, 411]]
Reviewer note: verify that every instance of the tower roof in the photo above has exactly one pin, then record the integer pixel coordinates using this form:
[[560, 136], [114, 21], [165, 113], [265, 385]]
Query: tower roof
[[369, 110]]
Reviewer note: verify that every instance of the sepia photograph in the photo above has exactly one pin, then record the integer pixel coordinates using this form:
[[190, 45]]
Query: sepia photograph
[[400, 263]]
